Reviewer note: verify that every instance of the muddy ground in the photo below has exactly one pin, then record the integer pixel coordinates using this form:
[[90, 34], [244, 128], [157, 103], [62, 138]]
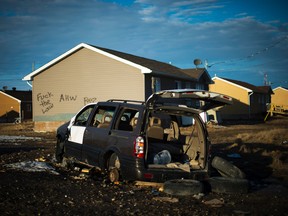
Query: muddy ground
[[259, 149]]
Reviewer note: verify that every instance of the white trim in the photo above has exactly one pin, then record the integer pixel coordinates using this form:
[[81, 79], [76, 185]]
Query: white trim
[[79, 46], [11, 96], [279, 87], [239, 86]]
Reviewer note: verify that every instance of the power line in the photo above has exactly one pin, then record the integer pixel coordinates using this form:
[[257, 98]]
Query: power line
[[249, 56]]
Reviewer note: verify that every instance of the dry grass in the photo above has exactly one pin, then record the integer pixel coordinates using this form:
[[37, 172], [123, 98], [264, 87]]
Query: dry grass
[[274, 136], [261, 146]]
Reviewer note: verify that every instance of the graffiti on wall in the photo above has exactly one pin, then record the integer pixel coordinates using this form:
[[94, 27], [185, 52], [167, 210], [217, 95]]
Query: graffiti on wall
[[64, 97], [44, 100], [88, 100]]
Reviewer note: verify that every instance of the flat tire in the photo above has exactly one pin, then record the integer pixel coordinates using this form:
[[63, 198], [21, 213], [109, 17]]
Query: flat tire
[[227, 169], [229, 185]]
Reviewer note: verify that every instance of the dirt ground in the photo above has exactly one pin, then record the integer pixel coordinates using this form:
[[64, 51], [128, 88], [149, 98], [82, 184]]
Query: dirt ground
[[259, 149]]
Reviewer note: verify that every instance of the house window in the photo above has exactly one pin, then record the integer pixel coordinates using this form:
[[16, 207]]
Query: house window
[[178, 84], [188, 85], [28, 108], [251, 98], [157, 84], [200, 86]]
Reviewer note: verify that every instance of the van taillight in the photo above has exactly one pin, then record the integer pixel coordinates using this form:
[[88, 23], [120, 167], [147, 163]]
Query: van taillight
[[139, 147]]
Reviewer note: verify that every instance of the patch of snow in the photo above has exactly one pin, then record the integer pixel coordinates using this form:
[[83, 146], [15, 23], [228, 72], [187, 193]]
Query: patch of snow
[[32, 166], [14, 139]]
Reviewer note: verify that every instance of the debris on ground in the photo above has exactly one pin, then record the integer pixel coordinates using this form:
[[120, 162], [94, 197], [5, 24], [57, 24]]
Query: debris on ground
[[166, 199], [215, 203]]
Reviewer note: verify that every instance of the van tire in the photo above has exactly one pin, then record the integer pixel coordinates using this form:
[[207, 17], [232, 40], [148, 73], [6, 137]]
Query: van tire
[[183, 187], [227, 169], [59, 151], [229, 185]]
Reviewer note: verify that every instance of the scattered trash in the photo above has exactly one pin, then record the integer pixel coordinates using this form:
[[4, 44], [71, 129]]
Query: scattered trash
[[116, 183], [77, 168], [32, 166], [85, 170], [216, 203], [41, 159], [234, 155], [80, 177], [242, 212], [163, 157], [166, 199], [212, 122], [232, 146], [184, 167], [198, 196], [155, 192], [150, 184]]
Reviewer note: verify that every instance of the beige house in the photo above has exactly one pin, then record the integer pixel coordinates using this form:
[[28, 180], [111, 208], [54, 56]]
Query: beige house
[[87, 73], [14, 105], [280, 98], [249, 101]]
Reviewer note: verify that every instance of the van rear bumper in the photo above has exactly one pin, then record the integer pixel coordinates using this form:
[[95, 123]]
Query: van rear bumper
[[137, 170]]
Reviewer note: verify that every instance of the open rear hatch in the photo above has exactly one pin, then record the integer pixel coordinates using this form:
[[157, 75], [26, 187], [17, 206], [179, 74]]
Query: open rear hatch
[[176, 136]]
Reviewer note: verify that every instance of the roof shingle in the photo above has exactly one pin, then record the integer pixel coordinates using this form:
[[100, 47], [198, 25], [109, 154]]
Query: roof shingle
[[20, 95]]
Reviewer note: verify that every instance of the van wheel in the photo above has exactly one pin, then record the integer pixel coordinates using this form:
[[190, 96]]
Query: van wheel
[[114, 168], [183, 187], [229, 185], [59, 151], [227, 169]]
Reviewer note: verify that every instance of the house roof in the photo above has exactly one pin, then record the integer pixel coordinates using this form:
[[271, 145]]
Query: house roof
[[279, 87], [247, 86], [144, 64], [197, 74], [156, 67], [24, 96], [265, 89]]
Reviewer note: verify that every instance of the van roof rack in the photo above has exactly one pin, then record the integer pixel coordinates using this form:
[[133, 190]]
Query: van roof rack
[[126, 101]]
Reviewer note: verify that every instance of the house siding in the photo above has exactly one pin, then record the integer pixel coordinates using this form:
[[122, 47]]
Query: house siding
[[280, 98], [81, 78], [247, 103], [240, 107], [88, 74]]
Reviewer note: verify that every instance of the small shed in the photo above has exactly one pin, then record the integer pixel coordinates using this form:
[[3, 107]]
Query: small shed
[[280, 99], [14, 105]]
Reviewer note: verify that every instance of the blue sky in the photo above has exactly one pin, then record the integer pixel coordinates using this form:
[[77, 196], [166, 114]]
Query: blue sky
[[238, 39]]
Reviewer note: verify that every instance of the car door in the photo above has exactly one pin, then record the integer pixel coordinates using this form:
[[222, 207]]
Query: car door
[[76, 128], [97, 133], [199, 99]]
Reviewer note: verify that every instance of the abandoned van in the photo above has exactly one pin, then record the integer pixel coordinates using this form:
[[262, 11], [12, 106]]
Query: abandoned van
[[161, 139]]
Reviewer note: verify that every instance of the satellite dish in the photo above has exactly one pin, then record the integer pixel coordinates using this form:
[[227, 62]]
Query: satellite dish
[[197, 62]]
